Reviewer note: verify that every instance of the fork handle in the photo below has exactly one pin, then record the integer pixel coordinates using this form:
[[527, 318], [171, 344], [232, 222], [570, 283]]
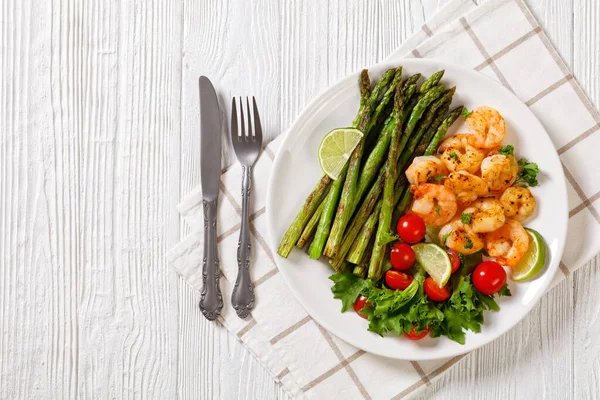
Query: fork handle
[[242, 298], [211, 300]]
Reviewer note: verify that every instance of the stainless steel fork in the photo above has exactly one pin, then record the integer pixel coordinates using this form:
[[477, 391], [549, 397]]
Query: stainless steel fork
[[247, 143]]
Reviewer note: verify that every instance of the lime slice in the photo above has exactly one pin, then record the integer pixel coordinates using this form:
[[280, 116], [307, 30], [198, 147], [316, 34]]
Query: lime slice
[[336, 148], [435, 260], [433, 234], [533, 260]]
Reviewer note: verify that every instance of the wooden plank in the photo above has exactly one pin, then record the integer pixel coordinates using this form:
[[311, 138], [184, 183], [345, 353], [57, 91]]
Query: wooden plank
[[37, 344], [88, 307], [131, 166], [352, 43], [304, 56], [586, 328], [586, 54], [397, 21], [586, 318]]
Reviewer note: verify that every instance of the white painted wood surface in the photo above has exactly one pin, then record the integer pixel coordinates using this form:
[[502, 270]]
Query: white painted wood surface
[[99, 140]]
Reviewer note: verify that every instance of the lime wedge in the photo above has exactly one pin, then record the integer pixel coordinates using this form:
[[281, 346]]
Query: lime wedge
[[435, 260], [336, 148], [533, 260]]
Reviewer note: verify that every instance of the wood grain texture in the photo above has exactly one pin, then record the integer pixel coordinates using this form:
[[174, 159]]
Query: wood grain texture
[[586, 313], [88, 306], [586, 51], [99, 139], [586, 328], [556, 17]]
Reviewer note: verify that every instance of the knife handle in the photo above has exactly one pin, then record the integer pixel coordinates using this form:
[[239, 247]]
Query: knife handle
[[211, 300], [242, 298]]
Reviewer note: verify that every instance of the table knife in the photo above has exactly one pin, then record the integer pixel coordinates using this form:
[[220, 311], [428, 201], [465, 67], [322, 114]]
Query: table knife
[[211, 300]]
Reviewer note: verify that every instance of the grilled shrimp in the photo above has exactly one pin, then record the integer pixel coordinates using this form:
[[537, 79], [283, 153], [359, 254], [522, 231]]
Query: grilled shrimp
[[488, 128], [458, 155], [423, 168], [459, 237], [467, 187], [434, 203], [486, 215], [518, 203], [499, 171], [508, 244]]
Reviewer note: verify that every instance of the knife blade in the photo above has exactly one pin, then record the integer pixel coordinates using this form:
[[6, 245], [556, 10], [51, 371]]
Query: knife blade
[[211, 300], [210, 140]]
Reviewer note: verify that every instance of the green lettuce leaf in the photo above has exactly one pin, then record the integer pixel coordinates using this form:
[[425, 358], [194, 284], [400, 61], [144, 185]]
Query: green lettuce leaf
[[400, 311], [463, 311], [387, 301], [347, 287]]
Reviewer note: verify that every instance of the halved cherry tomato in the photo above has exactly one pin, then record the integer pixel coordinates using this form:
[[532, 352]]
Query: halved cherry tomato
[[411, 228], [360, 302], [454, 259], [413, 335], [489, 277], [402, 256], [434, 292], [398, 280]]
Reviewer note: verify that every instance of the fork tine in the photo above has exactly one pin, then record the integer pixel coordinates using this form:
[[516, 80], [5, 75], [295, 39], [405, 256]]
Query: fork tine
[[249, 117], [234, 121], [242, 122], [257, 126]]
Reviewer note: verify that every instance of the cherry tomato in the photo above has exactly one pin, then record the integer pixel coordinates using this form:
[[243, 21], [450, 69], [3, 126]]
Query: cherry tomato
[[434, 292], [360, 302], [402, 256], [489, 277], [413, 335], [411, 228], [398, 280], [454, 259]]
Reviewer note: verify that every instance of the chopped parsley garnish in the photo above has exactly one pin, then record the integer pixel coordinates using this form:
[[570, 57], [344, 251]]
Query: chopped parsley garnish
[[466, 113], [466, 218], [527, 173], [468, 243], [437, 210], [445, 237], [454, 156], [507, 150], [438, 178]]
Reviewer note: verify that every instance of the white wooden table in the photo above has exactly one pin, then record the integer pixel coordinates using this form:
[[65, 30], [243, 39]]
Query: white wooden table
[[99, 140]]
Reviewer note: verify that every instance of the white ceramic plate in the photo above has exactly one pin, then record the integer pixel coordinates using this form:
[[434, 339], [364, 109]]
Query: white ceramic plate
[[296, 171]]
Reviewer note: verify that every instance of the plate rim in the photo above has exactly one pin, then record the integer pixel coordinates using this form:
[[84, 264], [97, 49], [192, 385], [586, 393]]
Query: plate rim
[[314, 107]]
